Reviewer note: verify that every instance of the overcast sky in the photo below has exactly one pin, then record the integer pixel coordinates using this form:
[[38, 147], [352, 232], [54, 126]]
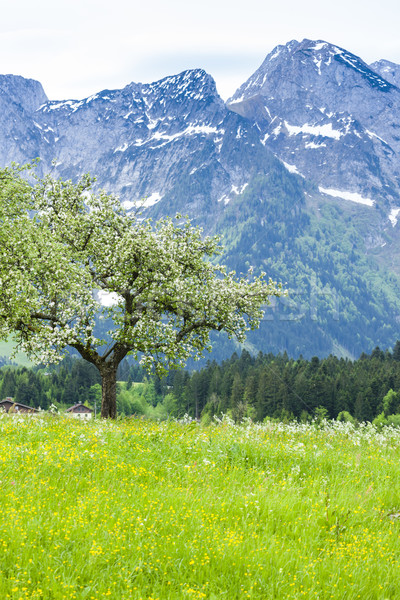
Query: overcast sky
[[79, 47]]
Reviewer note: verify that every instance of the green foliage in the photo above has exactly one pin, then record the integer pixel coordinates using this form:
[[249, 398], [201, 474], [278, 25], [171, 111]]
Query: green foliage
[[279, 387], [345, 417], [380, 421], [390, 402], [341, 299], [273, 386], [321, 414], [393, 420]]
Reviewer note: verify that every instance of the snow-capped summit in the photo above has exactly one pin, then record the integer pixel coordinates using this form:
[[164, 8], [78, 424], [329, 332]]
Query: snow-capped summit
[[148, 137], [309, 66], [193, 84], [324, 111]]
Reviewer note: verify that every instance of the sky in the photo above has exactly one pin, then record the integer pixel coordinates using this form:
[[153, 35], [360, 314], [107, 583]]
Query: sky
[[78, 47]]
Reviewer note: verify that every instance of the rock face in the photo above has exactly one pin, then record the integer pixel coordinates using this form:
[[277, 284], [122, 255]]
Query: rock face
[[21, 139], [330, 116], [154, 141], [388, 70], [299, 172]]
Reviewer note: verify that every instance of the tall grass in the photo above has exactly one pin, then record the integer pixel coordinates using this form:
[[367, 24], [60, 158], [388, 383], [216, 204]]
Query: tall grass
[[141, 510]]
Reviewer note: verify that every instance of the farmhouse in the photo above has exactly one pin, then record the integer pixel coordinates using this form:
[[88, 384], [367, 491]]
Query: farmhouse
[[80, 411], [8, 405]]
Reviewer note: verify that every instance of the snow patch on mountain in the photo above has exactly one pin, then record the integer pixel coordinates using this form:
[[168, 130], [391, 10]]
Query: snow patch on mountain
[[122, 148], [190, 130], [352, 196], [318, 62], [236, 100], [393, 216], [225, 199], [371, 134], [388, 70], [72, 105], [292, 169], [314, 146], [275, 53], [320, 46], [146, 202], [236, 190], [151, 200], [325, 130], [239, 190], [358, 65]]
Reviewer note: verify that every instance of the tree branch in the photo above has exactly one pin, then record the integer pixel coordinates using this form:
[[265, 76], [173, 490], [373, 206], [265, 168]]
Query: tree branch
[[88, 354]]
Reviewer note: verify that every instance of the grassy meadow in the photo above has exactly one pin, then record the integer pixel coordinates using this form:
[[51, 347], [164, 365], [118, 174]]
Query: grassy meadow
[[135, 509]]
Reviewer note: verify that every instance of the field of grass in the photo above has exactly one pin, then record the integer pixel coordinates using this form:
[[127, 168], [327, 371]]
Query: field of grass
[[135, 509]]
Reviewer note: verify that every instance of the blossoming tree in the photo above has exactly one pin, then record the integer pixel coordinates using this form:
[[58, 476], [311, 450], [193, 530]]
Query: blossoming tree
[[63, 247]]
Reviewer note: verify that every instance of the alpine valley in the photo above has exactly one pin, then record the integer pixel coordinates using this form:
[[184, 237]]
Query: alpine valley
[[299, 172]]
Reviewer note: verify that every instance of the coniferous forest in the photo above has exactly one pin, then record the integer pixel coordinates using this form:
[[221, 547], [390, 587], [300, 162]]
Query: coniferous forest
[[265, 386]]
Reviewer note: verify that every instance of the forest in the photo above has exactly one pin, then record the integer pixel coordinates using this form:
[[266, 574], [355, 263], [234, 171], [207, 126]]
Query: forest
[[265, 386]]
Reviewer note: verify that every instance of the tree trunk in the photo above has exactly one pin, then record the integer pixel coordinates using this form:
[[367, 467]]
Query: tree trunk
[[109, 392]]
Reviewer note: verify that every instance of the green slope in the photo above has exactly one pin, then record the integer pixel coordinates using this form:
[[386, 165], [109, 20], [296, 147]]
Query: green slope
[[342, 297], [6, 349]]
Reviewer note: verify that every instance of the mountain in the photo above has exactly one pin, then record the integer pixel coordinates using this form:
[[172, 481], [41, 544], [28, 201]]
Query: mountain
[[330, 116], [19, 99], [149, 140], [299, 172], [388, 70]]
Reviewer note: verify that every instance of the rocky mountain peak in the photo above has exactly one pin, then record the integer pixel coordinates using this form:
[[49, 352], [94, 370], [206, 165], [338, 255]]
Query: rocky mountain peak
[[26, 93], [321, 108], [193, 84], [309, 65], [388, 70], [183, 96], [158, 97]]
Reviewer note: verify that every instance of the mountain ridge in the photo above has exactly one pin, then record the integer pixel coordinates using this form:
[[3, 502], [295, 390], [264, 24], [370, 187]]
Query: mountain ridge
[[290, 171], [334, 111]]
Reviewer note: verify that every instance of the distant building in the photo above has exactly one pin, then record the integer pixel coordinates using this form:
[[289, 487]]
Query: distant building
[[9, 406], [80, 411]]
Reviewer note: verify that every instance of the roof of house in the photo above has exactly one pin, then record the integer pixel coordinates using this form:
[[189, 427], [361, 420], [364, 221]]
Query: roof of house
[[17, 405], [79, 406]]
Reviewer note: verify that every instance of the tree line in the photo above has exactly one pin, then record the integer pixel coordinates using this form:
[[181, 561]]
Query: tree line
[[258, 387]]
